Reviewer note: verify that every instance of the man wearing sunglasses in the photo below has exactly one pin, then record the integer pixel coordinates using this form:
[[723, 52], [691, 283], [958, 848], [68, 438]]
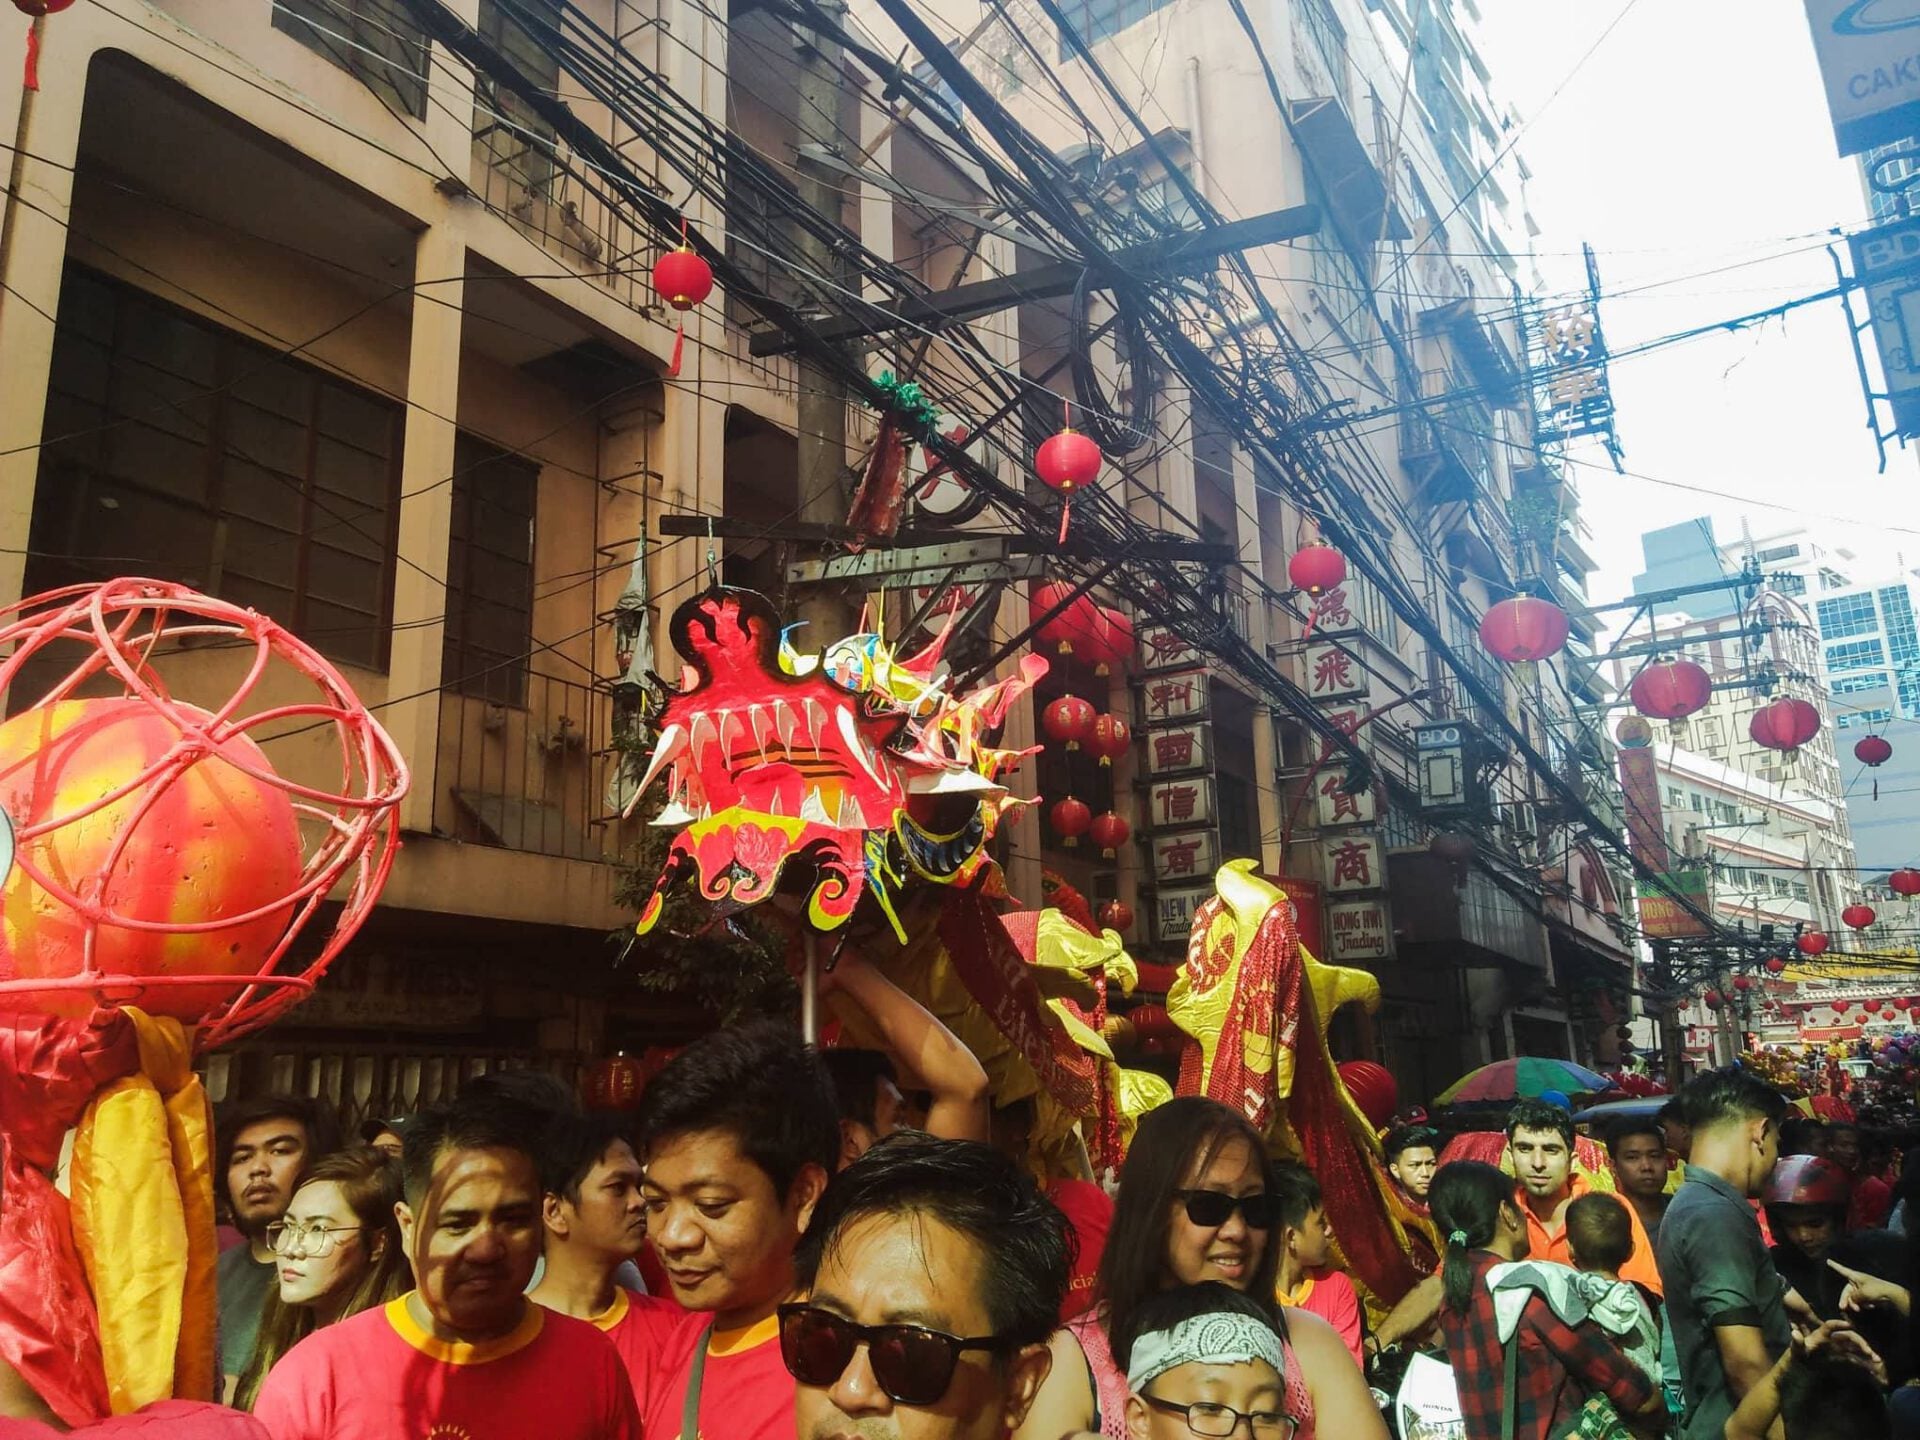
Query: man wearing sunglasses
[[934, 1270]]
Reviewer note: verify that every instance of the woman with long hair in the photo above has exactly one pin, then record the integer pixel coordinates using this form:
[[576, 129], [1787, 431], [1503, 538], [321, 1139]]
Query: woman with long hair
[[337, 1252], [1194, 1206], [1558, 1368]]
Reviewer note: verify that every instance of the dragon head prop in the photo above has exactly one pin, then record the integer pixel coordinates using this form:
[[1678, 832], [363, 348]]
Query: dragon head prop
[[862, 767]]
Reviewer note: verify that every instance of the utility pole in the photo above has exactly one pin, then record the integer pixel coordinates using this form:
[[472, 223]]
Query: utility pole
[[829, 609]]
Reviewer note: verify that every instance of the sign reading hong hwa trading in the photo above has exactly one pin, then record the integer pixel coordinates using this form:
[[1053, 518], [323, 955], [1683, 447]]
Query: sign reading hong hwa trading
[[1870, 59]]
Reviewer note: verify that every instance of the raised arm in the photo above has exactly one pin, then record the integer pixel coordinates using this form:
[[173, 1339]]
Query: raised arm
[[922, 1045]]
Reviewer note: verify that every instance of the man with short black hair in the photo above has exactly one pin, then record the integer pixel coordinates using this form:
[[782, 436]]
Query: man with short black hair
[[1638, 1149], [266, 1145], [738, 1135], [1540, 1147], [1306, 1278], [1725, 1301], [934, 1271], [595, 1222], [867, 1082], [465, 1353], [1412, 1153]]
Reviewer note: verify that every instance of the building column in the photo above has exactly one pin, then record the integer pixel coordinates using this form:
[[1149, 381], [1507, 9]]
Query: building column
[[33, 247], [426, 516]]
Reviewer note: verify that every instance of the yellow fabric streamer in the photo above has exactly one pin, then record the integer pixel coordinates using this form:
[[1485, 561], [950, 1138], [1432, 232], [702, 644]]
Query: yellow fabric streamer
[[142, 1206]]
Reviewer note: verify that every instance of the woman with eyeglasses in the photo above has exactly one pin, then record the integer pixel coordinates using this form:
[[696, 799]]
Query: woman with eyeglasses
[[1194, 1207], [336, 1253]]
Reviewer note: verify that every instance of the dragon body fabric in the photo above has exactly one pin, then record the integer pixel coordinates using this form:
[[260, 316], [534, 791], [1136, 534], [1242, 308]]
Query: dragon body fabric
[[1257, 1006]]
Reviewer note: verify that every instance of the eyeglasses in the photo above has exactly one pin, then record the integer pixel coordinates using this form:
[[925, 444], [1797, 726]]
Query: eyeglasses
[[1210, 1209], [1204, 1417], [314, 1240], [913, 1365]]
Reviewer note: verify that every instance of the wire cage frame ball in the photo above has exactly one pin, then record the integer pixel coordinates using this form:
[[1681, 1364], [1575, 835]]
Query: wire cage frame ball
[[159, 858]]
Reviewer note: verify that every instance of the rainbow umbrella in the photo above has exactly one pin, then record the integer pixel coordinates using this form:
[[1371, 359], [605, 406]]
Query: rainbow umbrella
[[1523, 1077]]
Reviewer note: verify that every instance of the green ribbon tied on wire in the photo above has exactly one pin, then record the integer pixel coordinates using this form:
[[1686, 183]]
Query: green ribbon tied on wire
[[918, 415]]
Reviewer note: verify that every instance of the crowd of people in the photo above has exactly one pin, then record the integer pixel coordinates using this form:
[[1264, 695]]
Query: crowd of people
[[787, 1243]]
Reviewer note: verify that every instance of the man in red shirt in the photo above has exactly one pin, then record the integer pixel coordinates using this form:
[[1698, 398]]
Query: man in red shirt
[[595, 1221], [1088, 1208], [1540, 1145], [466, 1353], [1306, 1278], [933, 1270], [739, 1133]]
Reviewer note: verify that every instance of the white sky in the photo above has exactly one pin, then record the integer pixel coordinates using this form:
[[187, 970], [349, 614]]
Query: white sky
[[1696, 138]]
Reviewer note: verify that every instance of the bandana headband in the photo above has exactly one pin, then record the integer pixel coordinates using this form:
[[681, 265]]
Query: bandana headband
[[1222, 1338]]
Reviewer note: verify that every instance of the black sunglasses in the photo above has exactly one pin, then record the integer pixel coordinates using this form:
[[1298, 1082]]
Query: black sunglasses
[[1210, 1209], [913, 1364]]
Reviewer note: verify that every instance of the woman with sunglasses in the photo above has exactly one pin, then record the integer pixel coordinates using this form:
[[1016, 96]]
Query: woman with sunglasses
[[1194, 1207], [336, 1253]]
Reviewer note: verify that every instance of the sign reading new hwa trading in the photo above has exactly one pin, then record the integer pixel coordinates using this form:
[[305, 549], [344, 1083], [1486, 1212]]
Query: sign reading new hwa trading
[[1870, 58]]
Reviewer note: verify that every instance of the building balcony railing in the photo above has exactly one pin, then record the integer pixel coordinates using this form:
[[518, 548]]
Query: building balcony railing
[[533, 179], [529, 776]]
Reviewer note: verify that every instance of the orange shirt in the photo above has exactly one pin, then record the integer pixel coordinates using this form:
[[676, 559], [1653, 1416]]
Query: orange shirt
[[379, 1375], [1545, 1245]]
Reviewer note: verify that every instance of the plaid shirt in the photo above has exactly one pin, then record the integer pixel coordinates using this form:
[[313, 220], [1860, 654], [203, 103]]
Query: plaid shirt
[[1559, 1366]]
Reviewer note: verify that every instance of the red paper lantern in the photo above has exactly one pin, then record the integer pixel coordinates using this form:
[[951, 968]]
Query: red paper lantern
[[1117, 915], [682, 279], [1373, 1089], [1784, 725], [1067, 462], [1743, 983], [1454, 846], [1714, 999], [1524, 630], [1068, 719], [1110, 831], [614, 1083], [1109, 738], [1858, 917], [1316, 568], [1775, 965], [1872, 750], [1671, 690], [1904, 882], [1152, 1022], [1887, 1014], [1077, 626], [37, 8], [1070, 819], [1112, 641], [1813, 943]]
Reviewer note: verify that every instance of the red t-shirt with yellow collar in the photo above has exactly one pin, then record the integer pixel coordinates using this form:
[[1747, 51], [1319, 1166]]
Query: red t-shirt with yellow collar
[[746, 1392], [382, 1376]]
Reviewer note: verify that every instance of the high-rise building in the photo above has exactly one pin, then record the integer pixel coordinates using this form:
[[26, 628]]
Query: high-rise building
[[1866, 653]]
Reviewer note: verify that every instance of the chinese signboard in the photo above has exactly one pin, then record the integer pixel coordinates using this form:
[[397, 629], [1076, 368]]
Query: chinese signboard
[[1334, 674], [1352, 862], [1662, 917], [1640, 786], [1358, 930], [1186, 802], [1162, 649], [1185, 855], [1867, 57], [1887, 261], [1334, 806], [1181, 696], [1568, 357], [1178, 748], [1173, 912]]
